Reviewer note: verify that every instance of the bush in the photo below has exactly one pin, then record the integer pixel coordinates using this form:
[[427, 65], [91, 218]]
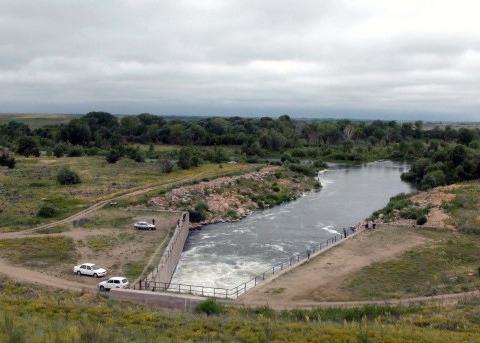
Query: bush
[[421, 220], [66, 176], [199, 213], [210, 307], [75, 151], [59, 150], [320, 164], [6, 159], [27, 146], [307, 170], [166, 166], [113, 156], [136, 155], [47, 211], [188, 158]]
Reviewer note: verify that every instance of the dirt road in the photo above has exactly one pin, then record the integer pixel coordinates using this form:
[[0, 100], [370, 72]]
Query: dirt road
[[30, 276], [317, 281]]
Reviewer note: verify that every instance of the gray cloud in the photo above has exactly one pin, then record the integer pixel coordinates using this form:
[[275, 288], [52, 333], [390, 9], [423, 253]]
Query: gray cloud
[[325, 58]]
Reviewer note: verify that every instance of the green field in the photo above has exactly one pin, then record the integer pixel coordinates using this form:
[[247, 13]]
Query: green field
[[32, 184], [35, 121]]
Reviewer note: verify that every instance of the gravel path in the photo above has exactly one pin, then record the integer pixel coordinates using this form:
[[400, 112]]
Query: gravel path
[[21, 274]]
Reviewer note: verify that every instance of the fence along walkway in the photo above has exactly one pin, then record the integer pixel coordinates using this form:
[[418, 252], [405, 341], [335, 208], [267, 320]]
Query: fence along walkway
[[151, 283]]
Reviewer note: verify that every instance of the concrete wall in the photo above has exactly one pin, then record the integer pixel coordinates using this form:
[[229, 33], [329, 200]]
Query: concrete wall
[[171, 255]]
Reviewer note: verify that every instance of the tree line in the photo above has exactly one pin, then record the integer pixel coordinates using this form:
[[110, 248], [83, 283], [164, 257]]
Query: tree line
[[440, 155]]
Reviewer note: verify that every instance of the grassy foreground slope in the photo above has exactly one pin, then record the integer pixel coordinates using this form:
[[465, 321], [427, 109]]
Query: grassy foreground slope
[[32, 184], [34, 315]]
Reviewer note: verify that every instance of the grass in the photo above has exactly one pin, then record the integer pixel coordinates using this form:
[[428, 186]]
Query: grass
[[20, 201], [38, 251], [106, 242], [110, 218], [465, 207], [448, 265], [133, 269], [37, 315], [101, 242]]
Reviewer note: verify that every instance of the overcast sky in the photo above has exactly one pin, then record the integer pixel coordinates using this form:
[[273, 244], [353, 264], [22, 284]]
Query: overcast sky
[[320, 58]]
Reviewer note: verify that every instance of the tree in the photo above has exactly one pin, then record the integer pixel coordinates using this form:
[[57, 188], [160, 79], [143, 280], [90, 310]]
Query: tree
[[66, 176], [77, 131], [28, 146], [458, 154], [465, 136]]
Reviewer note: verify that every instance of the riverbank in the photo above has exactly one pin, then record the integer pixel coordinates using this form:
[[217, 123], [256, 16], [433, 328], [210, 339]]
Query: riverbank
[[232, 198]]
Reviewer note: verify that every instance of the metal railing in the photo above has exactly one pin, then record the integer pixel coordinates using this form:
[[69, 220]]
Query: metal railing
[[233, 293], [168, 250]]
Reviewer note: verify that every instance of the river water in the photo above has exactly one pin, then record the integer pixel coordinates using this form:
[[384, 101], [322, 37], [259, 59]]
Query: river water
[[227, 254]]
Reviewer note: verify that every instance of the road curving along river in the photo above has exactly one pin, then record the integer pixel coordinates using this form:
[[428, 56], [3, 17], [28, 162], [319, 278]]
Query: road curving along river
[[227, 254]]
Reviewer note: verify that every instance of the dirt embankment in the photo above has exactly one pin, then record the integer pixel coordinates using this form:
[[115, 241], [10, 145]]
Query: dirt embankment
[[234, 197], [433, 201]]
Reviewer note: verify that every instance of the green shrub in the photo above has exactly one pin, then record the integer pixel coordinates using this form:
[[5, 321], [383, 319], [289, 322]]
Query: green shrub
[[75, 151], [210, 307], [47, 211], [113, 156], [304, 169], [166, 166], [421, 220], [232, 214], [136, 155], [59, 150], [398, 202], [66, 176], [320, 164], [6, 159], [199, 213], [27, 146]]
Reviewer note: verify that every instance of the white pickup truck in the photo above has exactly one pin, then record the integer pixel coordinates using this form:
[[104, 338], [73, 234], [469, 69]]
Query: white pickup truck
[[89, 269]]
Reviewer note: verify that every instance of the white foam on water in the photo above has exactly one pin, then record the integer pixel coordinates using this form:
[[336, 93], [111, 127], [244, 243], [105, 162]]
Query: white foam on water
[[241, 230], [218, 274], [328, 228], [274, 246]]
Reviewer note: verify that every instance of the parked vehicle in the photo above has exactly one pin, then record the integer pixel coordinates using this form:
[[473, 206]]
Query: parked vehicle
[[89, 269], [144, 226], [113, 282]]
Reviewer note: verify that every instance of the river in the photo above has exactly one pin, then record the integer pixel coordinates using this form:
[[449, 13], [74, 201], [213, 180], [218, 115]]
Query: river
[[227, 254]]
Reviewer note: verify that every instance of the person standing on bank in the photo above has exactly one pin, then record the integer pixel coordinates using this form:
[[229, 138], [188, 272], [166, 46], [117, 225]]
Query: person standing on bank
[[344, 233]]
